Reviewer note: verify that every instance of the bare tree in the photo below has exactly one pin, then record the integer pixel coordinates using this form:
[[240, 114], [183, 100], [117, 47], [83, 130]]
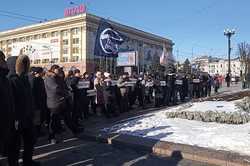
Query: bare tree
[[244, 52]]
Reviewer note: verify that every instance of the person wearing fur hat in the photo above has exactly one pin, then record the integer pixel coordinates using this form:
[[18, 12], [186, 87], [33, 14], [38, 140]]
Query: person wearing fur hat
[[23, 129], [7, 105], [58, 104]]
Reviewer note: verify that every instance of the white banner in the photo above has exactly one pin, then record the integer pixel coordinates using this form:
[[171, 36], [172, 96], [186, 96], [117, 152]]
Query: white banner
[[38, 49], [127, 58]]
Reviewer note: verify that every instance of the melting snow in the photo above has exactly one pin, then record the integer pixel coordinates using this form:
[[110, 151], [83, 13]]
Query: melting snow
[[234, 138]]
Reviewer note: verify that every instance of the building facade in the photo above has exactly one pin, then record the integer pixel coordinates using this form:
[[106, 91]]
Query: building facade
[[219, 66], [70, 42]]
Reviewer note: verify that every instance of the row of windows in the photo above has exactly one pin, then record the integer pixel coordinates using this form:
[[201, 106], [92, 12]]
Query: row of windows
[[213, 66], [56, 60], [75, 50], [74, 41], [74, 31]]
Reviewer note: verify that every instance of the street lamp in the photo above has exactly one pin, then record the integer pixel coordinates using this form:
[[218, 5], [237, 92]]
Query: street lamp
[[229, 33]]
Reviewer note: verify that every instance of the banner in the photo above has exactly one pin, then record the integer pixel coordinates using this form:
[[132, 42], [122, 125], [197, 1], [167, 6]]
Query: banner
[[127, 58], [107, 40]]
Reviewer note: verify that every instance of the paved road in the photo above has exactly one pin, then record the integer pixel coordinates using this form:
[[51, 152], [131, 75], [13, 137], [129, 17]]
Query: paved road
[[85, 153], [75, 152]]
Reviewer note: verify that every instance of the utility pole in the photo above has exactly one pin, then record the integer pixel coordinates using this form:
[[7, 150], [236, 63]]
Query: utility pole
[[229, 33]]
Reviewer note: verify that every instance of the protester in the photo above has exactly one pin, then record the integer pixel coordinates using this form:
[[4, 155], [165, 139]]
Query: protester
[[122, 85], [216, 84], [109, 95], [57, 96], [99, 86], [228, 79], [7, 106], [39, 98], [24, 127]]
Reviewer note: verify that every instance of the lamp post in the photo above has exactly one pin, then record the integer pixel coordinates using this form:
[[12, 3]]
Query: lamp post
[[229, 33]]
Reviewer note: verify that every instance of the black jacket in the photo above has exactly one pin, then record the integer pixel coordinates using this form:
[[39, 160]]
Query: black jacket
[[22, 95], [7, 108], [38, 92]]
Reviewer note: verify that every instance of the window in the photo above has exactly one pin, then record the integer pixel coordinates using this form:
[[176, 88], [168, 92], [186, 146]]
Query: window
[[64, 59], [37, 61], [54, 34], [54, 60], [75, 50], [64, 33], [65, 42], [37, 37], [75, 58], [45, 35], [65, 50], [45, 61], [27, 38], [75, 31], [75, 40], [14, 40], [21, 39]]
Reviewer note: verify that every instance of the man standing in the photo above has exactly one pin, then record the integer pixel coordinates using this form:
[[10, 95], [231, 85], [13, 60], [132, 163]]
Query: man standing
[[39, 97], [228, 79], [58, 104], [7, 105], [23, 129], [122, 85]]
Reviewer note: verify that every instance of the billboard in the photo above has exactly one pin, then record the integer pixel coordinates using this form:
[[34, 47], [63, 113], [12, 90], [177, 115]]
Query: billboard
[[127, 58], [37, 49]]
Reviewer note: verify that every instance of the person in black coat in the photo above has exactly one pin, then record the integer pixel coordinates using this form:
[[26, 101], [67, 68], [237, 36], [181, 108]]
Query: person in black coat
[[23, 129], [39, 97], [7, 105]]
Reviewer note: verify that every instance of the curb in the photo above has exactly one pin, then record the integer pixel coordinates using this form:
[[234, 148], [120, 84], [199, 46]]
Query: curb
[[169, 149]]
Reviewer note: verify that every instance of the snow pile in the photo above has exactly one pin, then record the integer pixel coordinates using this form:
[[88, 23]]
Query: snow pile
[[211, 111], [217, 136], [244, 105]]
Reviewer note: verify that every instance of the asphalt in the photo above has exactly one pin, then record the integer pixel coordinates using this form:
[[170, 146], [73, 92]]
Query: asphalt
[[86, 153]]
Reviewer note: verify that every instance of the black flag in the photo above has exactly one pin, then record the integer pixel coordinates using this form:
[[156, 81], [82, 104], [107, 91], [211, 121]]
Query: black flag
[[107, 40]]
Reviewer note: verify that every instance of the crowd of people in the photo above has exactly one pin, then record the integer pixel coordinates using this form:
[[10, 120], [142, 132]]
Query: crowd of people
[[32, 98]]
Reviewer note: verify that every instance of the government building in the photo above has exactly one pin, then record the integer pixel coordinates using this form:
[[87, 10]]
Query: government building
[[70, 42]]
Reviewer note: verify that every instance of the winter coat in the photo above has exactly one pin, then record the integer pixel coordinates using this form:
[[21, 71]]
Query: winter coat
[[56, 91], [21, 90], [99, 86], [39, 97], [121, 84], [38, 92], [109, 92], [7, 108]]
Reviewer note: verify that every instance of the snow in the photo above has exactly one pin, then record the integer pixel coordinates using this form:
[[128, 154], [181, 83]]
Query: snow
[[216, 106], [227, 137]]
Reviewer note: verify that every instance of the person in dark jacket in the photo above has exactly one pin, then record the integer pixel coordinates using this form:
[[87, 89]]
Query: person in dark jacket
[[23, 128], [57, 96], [39, 97], [228, 79], [7, 106]]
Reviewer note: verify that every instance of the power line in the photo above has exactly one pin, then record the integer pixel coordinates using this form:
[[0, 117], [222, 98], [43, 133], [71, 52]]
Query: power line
[[21, 15], [18, 18]]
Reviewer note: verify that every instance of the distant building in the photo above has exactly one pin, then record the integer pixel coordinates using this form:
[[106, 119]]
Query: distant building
[[213, 65]]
